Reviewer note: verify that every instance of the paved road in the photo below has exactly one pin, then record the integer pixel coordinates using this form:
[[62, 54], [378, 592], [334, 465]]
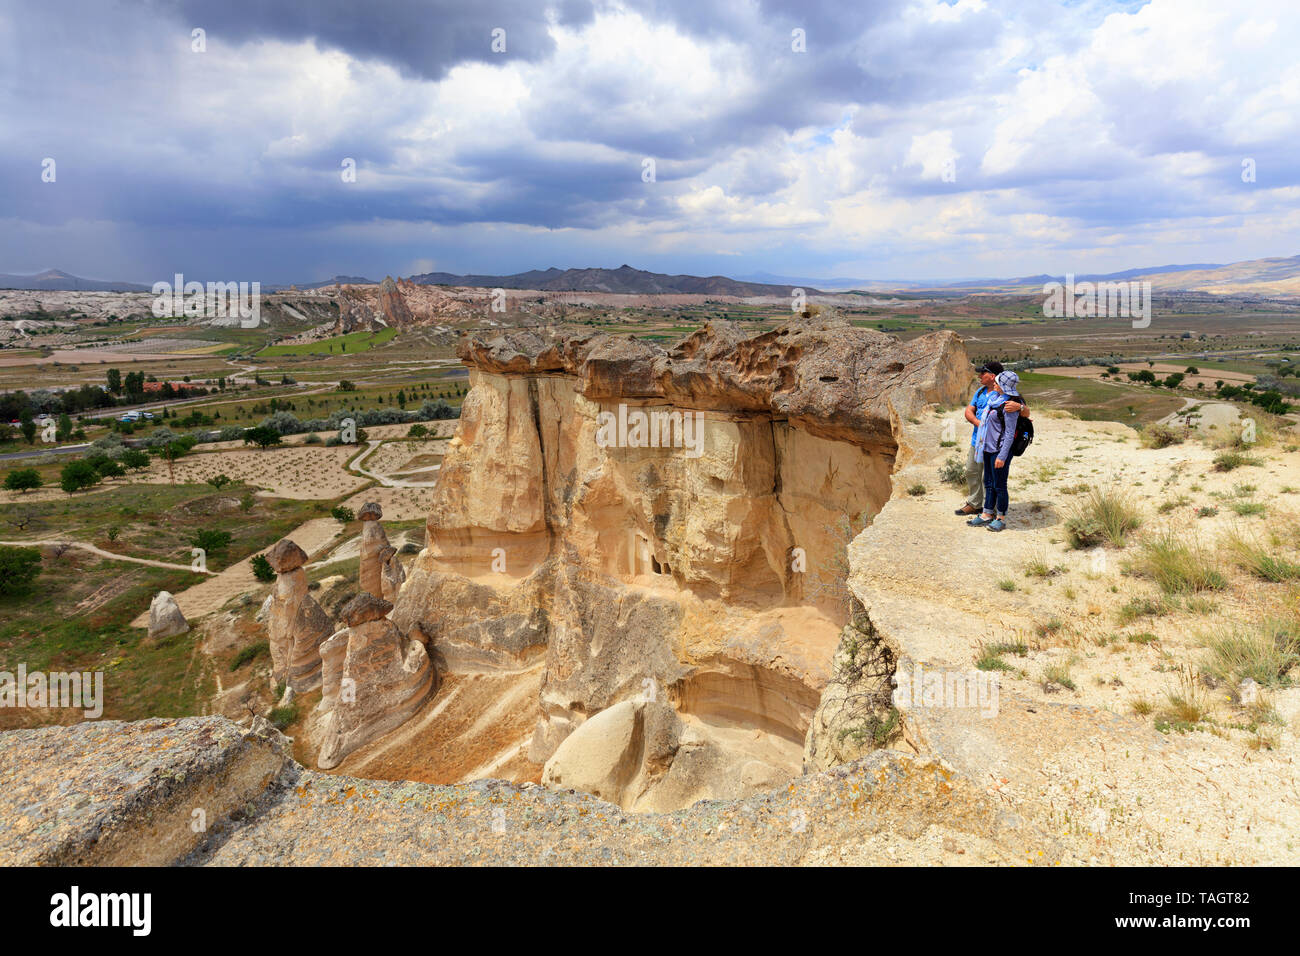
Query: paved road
[[57, 450]]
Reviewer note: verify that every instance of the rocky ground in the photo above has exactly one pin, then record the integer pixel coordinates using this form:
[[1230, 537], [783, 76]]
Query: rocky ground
[[203, 791], [1075, 743]]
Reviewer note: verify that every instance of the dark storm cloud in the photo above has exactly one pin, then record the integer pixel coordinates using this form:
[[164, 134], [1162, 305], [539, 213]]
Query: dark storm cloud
[[151, 140], [423, 39]]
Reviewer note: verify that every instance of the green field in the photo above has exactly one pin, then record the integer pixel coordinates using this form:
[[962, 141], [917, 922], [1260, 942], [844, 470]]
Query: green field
[[1098, 401], [78, 614]]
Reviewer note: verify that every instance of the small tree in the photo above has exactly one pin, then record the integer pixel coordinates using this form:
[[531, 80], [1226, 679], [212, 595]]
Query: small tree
[[77, 475], [27, 426], [219, 481], [210, 539], [263, 436], [262, 569], [135, 459], [18, 569], [23, 480], [343, 515]]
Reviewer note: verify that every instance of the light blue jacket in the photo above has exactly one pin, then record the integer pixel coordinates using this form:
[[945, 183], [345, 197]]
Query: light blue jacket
[[998, 431]]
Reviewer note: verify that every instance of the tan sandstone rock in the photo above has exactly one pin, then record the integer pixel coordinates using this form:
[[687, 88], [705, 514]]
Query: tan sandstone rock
[[392, 574], [296, 624], [374, 680], [374, 542], [677, 518]]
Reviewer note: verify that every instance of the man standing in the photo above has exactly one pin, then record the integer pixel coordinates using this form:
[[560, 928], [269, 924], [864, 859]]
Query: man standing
[[987, 373]]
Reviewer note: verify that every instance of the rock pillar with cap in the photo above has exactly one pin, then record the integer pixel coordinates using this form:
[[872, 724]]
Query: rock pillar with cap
[[373, 542], [296, 624]]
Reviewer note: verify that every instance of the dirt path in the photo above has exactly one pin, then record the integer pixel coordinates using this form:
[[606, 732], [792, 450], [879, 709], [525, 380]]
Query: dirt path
[[87, 546], [212, 594], [382, 479]]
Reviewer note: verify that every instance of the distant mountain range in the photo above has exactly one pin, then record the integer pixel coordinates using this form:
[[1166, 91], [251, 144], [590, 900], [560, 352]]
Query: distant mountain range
[[53, 280], [624, 279], [1273, 276], [337, 280]]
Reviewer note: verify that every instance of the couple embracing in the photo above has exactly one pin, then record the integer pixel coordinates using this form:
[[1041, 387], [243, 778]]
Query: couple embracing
[[994, 411]]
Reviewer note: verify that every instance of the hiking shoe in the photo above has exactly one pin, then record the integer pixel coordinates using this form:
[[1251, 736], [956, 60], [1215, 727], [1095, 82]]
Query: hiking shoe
[[966, 510], [997, 525], [979, 521]]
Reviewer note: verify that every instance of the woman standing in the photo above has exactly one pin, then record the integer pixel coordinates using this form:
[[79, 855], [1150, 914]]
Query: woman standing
[[996, 433]]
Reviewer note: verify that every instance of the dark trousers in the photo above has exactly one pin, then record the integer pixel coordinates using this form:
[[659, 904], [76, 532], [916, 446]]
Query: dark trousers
[[996, 498]]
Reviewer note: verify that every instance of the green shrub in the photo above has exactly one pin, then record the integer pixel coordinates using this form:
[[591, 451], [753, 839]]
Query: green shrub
[[953, 471], [135, 459], [1142, 607], [1161, 436], [1267, 655], [1232, 460], [1106, 516], [282, 717], [1178, 566], [18, 569], [210, 539], [262, 569], [77, 475], [249, 653], [23, 480], [1255, 556]]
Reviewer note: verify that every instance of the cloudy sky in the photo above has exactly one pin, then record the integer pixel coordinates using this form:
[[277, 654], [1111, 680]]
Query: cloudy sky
[[908, 140]]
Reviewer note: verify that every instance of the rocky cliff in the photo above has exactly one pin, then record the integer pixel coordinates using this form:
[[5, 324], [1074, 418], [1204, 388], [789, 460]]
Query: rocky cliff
[[666, 526]]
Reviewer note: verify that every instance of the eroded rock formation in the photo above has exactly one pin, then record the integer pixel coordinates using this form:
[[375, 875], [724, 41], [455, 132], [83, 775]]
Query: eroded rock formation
[[296, 624], [374, 541], [165, 617], [392, 305], [392, 574], [374, 679], [631, 517], [400, 304], [856, 713]]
